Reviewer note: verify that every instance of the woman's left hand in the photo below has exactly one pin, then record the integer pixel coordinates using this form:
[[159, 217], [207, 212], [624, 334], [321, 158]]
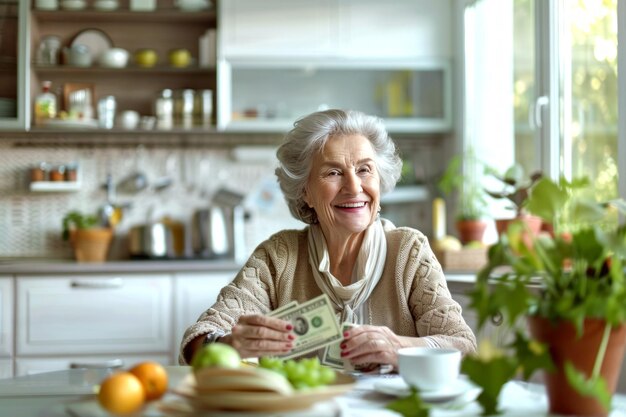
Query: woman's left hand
[[371, 345]]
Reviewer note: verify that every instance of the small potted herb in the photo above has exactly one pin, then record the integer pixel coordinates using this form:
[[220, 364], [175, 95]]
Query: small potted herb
[[472, 199], [88, 238]]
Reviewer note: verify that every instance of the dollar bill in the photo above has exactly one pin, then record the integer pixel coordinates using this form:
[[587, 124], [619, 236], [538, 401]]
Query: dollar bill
[[283, 309], [332, 353], [313, 323]]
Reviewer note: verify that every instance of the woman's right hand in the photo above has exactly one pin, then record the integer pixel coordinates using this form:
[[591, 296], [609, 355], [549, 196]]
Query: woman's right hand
[[256, 335]]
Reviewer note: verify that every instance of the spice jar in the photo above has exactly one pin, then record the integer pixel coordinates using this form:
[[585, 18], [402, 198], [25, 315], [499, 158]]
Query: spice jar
[[71, 171], [39, 172], [57, 173]]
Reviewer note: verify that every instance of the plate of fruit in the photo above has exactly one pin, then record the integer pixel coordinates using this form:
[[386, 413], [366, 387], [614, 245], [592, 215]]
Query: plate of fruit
[[274, 385]]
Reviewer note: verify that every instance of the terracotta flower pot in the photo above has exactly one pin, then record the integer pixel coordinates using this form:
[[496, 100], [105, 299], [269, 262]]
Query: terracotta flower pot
[[91, 245], [566, 346], [471, 230]]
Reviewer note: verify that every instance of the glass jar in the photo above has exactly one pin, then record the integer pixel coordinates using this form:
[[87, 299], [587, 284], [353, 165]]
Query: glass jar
[[164, 110], [57, 173], [39, 172], [71, 172], [203, 108], [184, 107]]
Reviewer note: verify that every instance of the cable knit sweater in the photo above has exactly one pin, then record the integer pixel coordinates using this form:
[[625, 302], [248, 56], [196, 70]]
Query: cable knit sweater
[[411, 298]]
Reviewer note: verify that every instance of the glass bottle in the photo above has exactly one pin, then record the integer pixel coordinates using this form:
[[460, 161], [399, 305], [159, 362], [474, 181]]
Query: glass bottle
[[45, 104]]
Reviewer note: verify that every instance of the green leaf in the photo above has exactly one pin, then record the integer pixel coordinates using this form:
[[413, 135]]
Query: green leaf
[[546, 200], [592, 387], [410, 406], [531, 354], [491, 375]]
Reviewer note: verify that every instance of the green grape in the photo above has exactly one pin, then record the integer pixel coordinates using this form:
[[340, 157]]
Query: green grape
[[327, 375], [302, 374]]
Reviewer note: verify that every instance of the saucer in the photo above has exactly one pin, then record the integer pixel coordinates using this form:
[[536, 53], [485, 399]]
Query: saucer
[[461, 387]]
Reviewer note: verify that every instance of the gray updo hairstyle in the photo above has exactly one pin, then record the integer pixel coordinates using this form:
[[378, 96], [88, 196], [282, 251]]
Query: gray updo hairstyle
[[310, 134]]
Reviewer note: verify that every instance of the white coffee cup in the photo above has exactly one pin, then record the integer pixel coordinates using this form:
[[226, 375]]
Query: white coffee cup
[[429, 369]]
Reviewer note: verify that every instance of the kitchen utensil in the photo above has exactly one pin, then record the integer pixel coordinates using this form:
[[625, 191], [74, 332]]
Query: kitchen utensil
[[48, 51], [73, 4], [114, 58], [134, 183], [105, 5], [95, 39], [128, 119], [218, 231], [156, 240], [106, 112]]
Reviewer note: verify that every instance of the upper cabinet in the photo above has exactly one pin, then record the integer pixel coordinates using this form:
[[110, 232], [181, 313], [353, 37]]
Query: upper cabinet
[[281, 59], [13, 61], [339, 29], [91, 53]]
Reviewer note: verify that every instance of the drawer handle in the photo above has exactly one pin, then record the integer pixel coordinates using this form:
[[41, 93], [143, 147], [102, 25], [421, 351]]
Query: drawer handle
[[113, 363], [111, 283]]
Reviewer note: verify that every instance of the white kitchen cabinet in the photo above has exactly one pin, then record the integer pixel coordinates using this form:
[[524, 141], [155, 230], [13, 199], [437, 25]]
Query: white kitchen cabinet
[[30, 366], [14, 60], [336, 29], [195, 293], [6, 326], [94, 314], [412, 96]]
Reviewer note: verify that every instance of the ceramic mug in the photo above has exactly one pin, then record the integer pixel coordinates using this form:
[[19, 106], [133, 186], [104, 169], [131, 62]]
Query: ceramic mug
[[128, 119], [429, 369]]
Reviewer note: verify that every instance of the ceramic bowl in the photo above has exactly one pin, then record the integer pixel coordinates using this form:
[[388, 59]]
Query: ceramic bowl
[[114, 58], [105, 5], [73, 4]]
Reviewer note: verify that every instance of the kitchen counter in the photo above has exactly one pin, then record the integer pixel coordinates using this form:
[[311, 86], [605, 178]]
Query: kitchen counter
[[10, 266]]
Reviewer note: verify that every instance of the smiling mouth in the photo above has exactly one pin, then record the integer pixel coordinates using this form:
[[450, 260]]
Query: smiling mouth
[[352, 205]]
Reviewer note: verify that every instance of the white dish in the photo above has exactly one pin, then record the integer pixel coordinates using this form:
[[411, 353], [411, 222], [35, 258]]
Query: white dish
[[106, 5], [71, 124], [461, 387], [73, 4], [95, 39], [193, 5]]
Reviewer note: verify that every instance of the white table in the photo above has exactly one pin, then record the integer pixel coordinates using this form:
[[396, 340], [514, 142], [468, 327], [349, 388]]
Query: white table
[[56, 394]]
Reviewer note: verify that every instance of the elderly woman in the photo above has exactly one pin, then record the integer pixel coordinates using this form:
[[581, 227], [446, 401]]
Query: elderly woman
[[334, 166]]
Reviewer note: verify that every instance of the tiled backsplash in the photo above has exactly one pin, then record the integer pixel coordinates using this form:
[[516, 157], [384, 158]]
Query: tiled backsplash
[[30, 222]]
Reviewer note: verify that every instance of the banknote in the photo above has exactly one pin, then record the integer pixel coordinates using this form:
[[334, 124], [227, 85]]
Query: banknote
[[314, 324], [283, 309], [332, 353]]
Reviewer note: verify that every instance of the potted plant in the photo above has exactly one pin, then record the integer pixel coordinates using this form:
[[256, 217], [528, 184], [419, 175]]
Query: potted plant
[[472, 201], [515, 187], [88, 238], [570, 288]]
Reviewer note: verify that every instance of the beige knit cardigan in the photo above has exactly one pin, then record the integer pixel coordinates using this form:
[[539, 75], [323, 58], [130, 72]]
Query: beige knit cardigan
[[411, 298]]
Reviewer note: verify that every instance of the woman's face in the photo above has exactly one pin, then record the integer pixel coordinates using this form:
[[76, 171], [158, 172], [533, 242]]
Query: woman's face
[[344, 185]]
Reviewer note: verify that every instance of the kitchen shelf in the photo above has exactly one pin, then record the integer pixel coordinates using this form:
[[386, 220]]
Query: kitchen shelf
[[55, 186], [158, 16], [97, 70]]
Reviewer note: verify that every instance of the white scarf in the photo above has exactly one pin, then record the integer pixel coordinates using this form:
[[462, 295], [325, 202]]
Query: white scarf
[[366, 274]]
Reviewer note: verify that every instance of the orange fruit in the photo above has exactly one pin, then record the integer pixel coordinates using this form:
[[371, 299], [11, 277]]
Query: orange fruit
[[153, 377], [121, 393]]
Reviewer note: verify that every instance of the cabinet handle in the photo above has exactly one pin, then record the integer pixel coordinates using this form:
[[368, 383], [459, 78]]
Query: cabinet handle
[[113, 363], [110, 283]]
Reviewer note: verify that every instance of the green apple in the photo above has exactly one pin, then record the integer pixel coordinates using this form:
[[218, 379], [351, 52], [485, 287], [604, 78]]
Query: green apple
[[216, 355]]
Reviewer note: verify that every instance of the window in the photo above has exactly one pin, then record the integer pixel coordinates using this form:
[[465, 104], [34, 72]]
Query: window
[[544, 92]]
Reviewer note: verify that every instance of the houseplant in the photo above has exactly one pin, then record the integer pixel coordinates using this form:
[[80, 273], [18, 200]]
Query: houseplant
[[88, 238], [515, 187], [571, 281], [472, 201]]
